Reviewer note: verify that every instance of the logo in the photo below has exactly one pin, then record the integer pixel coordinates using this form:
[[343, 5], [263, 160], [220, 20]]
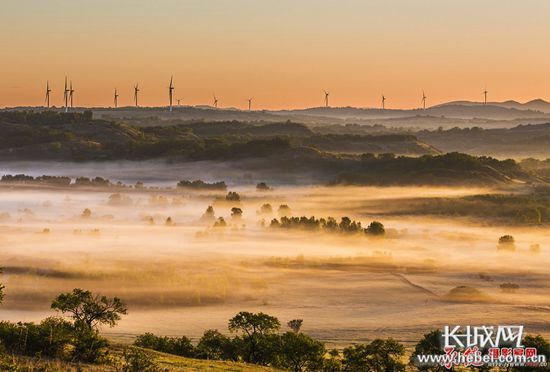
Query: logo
[[478, 346]]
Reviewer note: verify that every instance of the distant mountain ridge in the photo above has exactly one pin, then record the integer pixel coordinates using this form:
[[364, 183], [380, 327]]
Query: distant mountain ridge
[[536, 110], [534, 105]]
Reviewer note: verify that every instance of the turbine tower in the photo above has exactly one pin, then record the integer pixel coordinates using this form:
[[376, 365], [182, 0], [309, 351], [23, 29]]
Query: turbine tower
[[66, 96], [116, 98], [327, 94], [383, 102], [179, 100], [215, 101], [136, 92], [424, 100], [249, 104], [71, 93], [48, 90], [485, 94], [171, 92]]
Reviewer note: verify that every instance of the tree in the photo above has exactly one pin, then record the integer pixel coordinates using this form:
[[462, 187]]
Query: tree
[[236, 213], [254, 328], [507, 242], [333, 362], [430, 344], [266, 209], [509, 287], [376, 229], [300, 352], [208, 215], [89, 310], [262, 186], [220, 222], [295, 324], [87, 213], [232, 196], [378, 356], [214, 345]]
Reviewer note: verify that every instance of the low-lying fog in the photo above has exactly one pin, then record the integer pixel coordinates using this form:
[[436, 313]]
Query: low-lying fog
[[185, 277]]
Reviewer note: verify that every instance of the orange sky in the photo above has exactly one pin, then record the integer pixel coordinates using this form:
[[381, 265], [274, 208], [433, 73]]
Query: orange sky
[[284, 53]]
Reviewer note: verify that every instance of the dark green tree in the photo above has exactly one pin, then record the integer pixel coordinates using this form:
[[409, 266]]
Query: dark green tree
[[89, 310], [430, 344], [255, 329], [215, 345], [378, 356], [299, 352], [375, 229]]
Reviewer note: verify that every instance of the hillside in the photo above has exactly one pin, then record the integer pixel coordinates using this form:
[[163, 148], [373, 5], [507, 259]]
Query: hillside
[[270, 150], [167, 362], [77, 136], [519, 142]]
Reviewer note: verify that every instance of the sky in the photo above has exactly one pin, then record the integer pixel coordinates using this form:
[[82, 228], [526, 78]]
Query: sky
[[282, 53]]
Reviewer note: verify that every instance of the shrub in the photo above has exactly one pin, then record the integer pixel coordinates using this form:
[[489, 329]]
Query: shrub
[[136, 360], [178, 346], [49, 338]]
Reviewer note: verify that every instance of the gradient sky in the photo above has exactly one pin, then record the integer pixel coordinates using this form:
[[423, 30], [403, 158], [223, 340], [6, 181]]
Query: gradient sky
[[284, 53]]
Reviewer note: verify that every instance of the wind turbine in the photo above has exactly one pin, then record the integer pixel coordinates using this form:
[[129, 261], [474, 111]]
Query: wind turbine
[[179, 100], [249, 104], [116, 98], [171, 92], [66, 96], [71, 93], [48, 90], [424, 100], [327, 94], [136, 92], [485, 94], [215, 101], [383, 102]]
